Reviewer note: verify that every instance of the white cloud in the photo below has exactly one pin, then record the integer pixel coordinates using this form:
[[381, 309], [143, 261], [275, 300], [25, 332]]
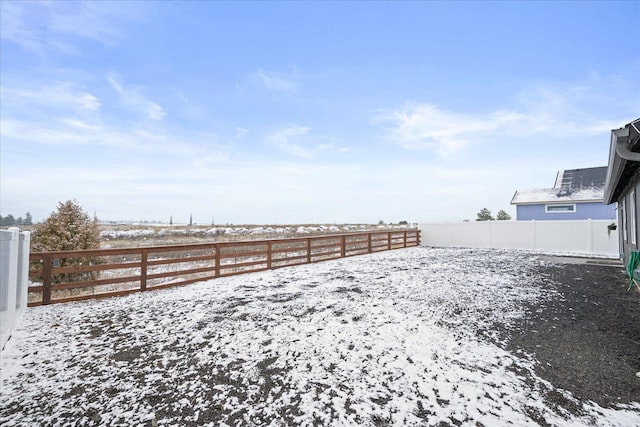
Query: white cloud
[[576, 110], [65, 115], [241, 132], [188, 108], [79, 124], [300, 141], [43, 27], [547, 111], [289, 140], [191, 148], [89, 20], [133, 98], [277, 82], [419, 126], [64, 131], [13, 26], [58, 95]]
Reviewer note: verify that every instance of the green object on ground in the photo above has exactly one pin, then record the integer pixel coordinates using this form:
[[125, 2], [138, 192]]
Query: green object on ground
[[634, 260]]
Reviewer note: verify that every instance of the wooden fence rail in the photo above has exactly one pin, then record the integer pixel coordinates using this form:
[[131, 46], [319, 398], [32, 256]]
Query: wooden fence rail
[[78, 275]]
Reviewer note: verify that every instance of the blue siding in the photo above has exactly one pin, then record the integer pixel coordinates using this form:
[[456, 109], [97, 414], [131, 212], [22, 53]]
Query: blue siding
[[583, 211]]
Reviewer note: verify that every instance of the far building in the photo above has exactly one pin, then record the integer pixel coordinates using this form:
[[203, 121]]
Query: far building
[[577, 194]]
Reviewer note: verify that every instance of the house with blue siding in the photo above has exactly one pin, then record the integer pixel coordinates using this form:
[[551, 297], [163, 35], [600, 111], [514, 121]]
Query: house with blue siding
[[576, 194]]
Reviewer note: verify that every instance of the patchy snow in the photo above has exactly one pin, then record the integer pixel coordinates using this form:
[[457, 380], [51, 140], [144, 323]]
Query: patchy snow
[[135, 233], [404, 337], [555, 195], [127, 234]]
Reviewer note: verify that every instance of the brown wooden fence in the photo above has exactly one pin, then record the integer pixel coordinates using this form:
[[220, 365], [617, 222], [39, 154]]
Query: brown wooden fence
[[79, 275]]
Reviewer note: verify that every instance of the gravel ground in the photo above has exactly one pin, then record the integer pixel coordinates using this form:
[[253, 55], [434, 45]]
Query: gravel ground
[[420, 336], [587, 339]]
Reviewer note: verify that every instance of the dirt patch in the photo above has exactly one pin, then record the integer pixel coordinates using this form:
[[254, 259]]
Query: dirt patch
[[587, 340]]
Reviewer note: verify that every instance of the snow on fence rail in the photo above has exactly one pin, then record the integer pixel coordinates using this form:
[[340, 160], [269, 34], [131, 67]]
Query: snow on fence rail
[[64, 276], [14, 255], [574, 236]]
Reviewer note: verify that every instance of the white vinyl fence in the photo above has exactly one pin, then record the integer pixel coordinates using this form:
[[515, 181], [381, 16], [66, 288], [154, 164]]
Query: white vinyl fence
[[588, 237], [14, 272]]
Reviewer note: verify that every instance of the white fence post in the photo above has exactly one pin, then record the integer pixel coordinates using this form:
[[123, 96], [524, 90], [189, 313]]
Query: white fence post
[[14, 271], [8, 278], [22, 282], [534, 241], [590, 235]]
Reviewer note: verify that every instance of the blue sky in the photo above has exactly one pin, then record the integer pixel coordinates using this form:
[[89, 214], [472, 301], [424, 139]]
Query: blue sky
[[306, 112]]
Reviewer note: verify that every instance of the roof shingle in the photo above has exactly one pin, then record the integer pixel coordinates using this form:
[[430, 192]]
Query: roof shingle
[[572, 185]]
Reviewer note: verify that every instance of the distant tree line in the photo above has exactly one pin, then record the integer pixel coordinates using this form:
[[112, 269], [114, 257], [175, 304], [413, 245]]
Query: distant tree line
[[403, 222], [11, 221], [485, 215]]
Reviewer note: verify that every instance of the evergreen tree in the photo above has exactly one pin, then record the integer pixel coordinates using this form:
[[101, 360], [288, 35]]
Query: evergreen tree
[[11, 221], [69, 228], [484, 215], [503, 216], [8, 221]]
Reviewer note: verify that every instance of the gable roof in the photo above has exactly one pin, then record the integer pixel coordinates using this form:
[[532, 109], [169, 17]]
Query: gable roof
[[572, 185], [555, 195], [624, 160]]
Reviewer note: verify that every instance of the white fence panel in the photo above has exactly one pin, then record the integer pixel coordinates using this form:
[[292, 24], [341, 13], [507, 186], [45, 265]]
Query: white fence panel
[[14, 270], [470, 236], [606, 241], [512, 235], [563, 236], [589, 237]]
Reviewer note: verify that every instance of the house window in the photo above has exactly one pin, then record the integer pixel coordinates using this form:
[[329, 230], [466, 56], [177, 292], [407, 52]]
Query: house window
[[632, 216], [623, 220], [559, 208]]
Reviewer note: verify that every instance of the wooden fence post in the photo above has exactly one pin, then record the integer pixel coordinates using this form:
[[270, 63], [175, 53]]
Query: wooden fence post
[[343, 246], [144, 255], [404, 235], [389, 240], [269, 254], [217, 272], [308, 250], [47, 264], [369, 248], [417, 237]]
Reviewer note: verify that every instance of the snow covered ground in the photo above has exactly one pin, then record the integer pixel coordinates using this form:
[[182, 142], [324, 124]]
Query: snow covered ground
[[133, 232], [405, 337]]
